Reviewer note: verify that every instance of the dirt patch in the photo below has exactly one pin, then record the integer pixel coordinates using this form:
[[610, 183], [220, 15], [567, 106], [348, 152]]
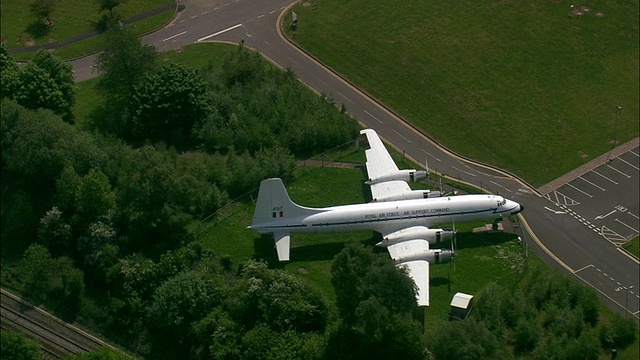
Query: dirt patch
[[583, 155]]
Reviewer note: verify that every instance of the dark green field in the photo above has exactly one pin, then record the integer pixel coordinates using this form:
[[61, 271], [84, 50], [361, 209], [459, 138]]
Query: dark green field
[[519, 85]]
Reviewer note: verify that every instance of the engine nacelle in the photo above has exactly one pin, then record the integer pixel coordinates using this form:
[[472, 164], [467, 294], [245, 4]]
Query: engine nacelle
[[402, 175], [433, 256], [433, 236], [414, 194]]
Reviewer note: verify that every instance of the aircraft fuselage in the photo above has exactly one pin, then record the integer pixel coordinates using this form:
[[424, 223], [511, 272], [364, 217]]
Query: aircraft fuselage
[[384, 216]]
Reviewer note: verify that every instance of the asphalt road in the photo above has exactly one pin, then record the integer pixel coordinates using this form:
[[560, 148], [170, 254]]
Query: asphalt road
[[575, 225]]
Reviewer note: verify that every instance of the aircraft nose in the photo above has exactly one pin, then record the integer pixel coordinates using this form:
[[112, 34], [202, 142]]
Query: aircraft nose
[[520, 209]]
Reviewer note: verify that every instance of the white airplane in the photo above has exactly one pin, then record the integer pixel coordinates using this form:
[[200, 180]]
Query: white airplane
[[403, 216]]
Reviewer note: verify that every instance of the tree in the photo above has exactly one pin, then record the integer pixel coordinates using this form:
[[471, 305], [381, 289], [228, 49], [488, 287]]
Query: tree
[[376, 302], [37, 270], [123, 62], [94, 199], [42, 9], [62, 75], [36, 89], [17, 346], [8, 73], [109, 5], [54, 232], [167, 104]]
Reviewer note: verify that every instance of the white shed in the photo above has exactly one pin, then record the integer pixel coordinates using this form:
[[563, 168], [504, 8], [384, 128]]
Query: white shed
[[461, 305]]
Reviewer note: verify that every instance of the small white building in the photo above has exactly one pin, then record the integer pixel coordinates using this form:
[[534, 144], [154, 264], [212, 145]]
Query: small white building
[[461, 305]]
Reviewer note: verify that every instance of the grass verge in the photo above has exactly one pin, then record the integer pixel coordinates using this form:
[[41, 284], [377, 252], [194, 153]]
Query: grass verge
[[521, 86]]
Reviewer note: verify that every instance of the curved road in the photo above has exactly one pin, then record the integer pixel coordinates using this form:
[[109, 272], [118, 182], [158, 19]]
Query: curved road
[[575, 224]]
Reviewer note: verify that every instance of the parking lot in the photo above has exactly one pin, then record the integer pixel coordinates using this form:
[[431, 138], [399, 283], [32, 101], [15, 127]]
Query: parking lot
[[605, 199]]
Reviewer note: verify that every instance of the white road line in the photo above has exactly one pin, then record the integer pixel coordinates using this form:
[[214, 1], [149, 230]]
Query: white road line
[[618, 171], [368, 113], [579, 190], [604, 177], [219, 32], [271, 12], [194, 16], [341, 94], [428, 153], [603, 189], [260, 16], [397, 133], [495, 183], [555, 211], [600, 217], [466, 172], [628, 163], [634, 215], [584, 268], [204, 12], [634, 153], [174, 36], [628, 226]]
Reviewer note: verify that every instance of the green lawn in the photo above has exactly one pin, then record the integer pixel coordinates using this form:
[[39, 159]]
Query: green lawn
[[70, 18], [519, 85], [481, 258], [633, 246]]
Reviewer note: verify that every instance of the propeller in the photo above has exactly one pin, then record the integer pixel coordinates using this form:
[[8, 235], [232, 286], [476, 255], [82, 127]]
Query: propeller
[[454, 245]]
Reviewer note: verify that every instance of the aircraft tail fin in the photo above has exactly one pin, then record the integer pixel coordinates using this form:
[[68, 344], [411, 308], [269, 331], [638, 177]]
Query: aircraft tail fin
[[276, 213]]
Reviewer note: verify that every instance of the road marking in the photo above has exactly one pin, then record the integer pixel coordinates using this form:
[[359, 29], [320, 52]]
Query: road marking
[[370, 114], [466, 172], [565, 199], [555, 211], [174, 36], [584, 268], [580, 177], [600, 217], [628, 163], [604, 177], [194, 16], [260, 16], [341, 94], [624, 224], [495, 183], [580, 190], [612, 236], [204, 12], [428, 153], [634, 215], [219, 32], [271, 12], [618, 171], [631, 151], [397, 133]]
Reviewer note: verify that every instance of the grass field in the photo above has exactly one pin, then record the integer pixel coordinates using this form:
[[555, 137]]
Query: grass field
[[481, 258], [519, 85], [70, 18]]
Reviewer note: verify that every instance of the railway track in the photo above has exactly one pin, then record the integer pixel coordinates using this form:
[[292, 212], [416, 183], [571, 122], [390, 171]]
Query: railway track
[[56, 338]]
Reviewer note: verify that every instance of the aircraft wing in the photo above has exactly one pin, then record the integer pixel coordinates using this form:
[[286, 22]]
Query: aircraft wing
[[380, 164], [410, 255]]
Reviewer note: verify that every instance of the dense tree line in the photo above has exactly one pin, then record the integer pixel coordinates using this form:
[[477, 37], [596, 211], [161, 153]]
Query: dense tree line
[[546, 317], [98, 219]]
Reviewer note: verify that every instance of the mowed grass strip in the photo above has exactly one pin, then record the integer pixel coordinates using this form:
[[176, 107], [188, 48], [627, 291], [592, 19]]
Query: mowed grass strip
[[70, 18], [519, 85]]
